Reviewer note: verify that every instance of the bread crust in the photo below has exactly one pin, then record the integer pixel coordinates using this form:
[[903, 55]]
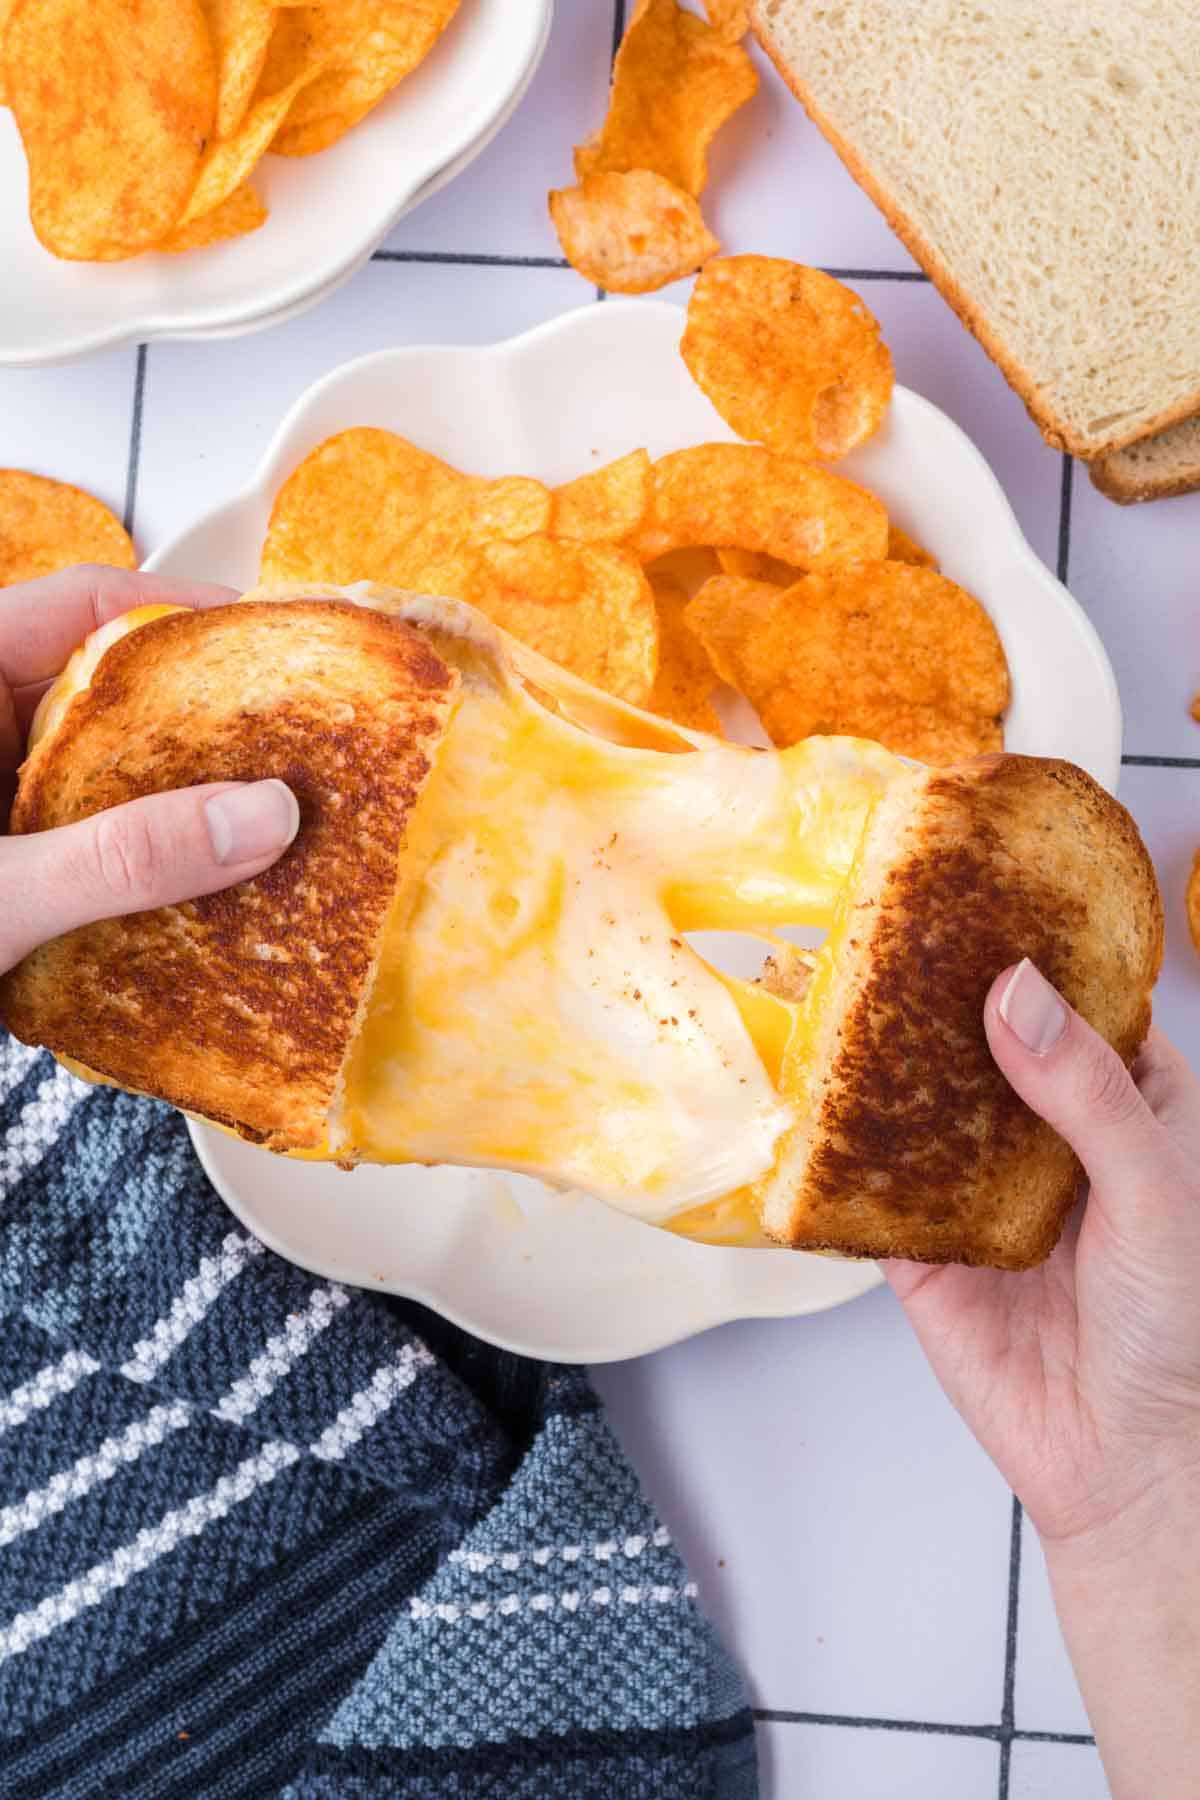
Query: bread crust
[[1128, 490], [345, 705], [1056, 431], [914, 1144]]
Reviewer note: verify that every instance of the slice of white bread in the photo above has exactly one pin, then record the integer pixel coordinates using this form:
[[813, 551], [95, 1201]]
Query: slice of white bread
[[1040, 159], [1154, 468], [909, 1141]]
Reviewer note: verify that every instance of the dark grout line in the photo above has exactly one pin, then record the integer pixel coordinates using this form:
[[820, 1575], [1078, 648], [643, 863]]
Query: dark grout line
[[992, 1734], [471, 258], [135, 439], [1064, 516], [1055, 1737], [618, 25], [783, 1716], [877, 274], [1161, 762], [1008, 1707]]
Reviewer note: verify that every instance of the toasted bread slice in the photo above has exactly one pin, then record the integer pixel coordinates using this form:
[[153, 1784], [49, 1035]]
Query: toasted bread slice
[[1155, 468], [1019, 149], [909, 1141], [345, 705]]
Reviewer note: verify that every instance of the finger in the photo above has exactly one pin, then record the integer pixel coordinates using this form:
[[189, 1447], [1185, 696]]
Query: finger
[[150, 852], [41, 622], [1073, 1079]]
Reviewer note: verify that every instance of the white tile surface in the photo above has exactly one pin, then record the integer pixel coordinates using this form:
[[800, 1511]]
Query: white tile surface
[[849, 1538], [830, 1762], [1056, 1772], [498, 206], [1136, 569], [71, 423]]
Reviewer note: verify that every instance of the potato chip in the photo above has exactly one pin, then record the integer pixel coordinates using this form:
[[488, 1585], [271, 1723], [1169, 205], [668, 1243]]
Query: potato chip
[[47, 525], [114, 116], [756, 499], [365, 48], [686, 677], [631, 233], [902, 548], [238, 213], [754, 566], [342, 512], [228, 163], [787, 355], [1193, 902], [588, 607], [607, 504], [675, 82], [731, 18], [6, 6], [241, 31], [888, 651], [509, 509]]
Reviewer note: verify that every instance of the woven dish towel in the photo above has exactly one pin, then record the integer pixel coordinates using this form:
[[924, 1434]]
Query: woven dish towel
[[264, 1535]]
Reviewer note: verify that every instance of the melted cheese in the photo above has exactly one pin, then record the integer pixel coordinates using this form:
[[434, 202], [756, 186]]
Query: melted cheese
[[537, 1006]]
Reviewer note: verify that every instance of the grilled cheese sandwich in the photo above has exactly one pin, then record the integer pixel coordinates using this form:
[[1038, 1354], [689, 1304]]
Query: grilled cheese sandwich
[[527, 994]]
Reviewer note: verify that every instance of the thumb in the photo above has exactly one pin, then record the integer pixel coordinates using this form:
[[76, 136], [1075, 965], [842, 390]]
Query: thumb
[[1071, 1077], [149, 852]]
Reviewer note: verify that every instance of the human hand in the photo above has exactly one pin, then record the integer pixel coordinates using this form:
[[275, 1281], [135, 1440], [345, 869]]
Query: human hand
[[149, 852], [1081, 1378]]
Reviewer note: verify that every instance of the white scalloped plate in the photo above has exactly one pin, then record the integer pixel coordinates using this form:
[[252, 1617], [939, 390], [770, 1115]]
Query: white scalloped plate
[[327, 212], [568, 1278]]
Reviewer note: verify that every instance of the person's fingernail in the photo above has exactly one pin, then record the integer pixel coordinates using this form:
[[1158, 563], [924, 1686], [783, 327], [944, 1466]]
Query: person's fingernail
[[245, 823], [1031, 1009]]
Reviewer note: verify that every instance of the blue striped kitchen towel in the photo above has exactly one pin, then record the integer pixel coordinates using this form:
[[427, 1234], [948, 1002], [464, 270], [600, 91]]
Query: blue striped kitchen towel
[[262, 1535]]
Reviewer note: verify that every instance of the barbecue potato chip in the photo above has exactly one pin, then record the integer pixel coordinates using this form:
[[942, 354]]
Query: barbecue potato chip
[[241, 31], [686, 677], [364, 46], [341, 514], [754, 566], [114, 120], [885, 651], [6, 6], [587, 607], [731, 18], [607, 504], [229, 162], [902, 548], [756, 499], [787, 355], [632, 232], [675, 82], [47, 525], [238, 213], [1193, 902], [443, 545]]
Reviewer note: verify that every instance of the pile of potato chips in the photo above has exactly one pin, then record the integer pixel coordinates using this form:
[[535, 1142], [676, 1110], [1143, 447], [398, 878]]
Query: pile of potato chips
[[726, 566], [143, 122], [633, 222], [47, 525]]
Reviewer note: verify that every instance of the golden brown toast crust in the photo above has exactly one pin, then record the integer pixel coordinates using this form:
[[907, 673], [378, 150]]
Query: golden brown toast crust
[[239, 1006], [918, 1146]]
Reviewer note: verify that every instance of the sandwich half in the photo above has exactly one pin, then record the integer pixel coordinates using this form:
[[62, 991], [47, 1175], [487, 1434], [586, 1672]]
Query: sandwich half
[[480, 948]]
